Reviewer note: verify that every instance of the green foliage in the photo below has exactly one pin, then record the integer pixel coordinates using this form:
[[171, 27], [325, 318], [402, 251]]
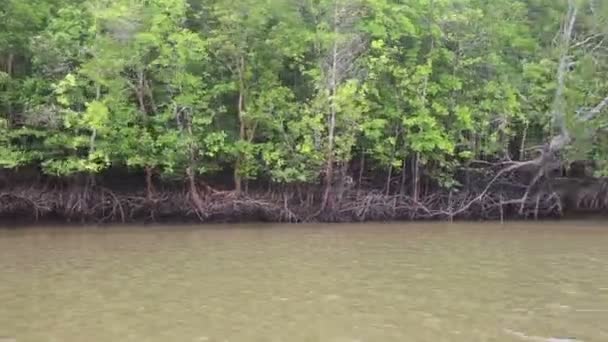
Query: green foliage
[[279, 89]]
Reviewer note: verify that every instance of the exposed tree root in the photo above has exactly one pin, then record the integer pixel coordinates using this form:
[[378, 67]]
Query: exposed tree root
[[503, 197]]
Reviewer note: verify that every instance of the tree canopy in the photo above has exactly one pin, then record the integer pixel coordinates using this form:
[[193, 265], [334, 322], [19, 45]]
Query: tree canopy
[[300, 92]]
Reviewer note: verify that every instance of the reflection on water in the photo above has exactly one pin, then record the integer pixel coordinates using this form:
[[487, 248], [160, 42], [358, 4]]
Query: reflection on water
[[373, 282]]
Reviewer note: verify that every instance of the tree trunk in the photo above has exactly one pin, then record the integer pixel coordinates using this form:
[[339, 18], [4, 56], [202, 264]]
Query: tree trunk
[[522, 148], [150, 94], [415, 177], [194, 194], [361, 170], [559, 106], [93, 137], [329, 172], [149, 183], [403, 176], [390, 168], [141, 93], [9, 64], [416, 161], [341, 182], [238, 181], [389, 176], [9, 70]]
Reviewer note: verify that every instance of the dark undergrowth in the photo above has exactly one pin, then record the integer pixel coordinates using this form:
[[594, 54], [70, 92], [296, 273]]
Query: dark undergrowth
[[95, 204]]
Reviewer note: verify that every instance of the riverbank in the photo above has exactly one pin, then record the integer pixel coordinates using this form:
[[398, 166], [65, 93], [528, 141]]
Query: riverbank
[[94, 204]]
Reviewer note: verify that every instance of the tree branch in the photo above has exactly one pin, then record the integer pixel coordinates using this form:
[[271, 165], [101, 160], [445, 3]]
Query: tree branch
[[595, 111], [559, 116]]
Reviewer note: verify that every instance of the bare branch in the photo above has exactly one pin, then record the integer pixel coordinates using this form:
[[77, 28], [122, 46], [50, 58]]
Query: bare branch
[[504, 171], [595, 111], [586, 40]]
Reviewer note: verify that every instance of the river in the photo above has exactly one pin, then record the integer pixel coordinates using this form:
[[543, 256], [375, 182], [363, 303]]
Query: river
[[267, 283]]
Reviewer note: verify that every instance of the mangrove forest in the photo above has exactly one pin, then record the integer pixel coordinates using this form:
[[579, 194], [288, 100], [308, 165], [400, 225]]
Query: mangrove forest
[[302, 110]]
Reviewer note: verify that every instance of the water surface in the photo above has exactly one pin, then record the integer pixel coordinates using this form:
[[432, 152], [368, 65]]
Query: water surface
[[372, 282]]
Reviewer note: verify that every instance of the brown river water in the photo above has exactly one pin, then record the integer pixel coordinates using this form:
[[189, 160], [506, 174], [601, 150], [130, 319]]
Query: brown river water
[[336, 283]]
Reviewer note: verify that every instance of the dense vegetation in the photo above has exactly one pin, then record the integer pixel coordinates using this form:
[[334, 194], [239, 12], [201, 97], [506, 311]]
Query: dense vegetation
[[324, 101]]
